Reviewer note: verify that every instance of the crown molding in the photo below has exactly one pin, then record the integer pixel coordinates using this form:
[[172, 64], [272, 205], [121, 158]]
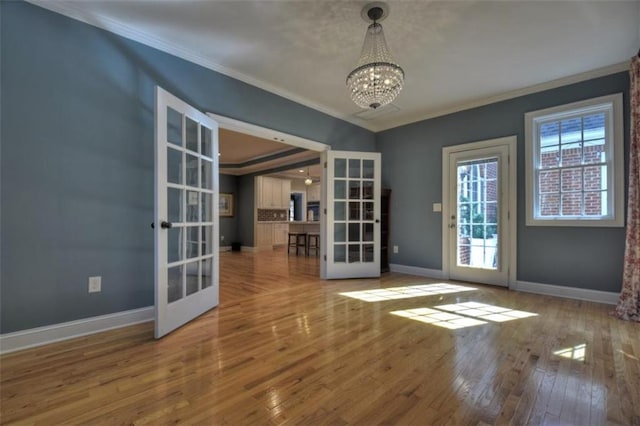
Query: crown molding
[[564, 81], [108, 24]]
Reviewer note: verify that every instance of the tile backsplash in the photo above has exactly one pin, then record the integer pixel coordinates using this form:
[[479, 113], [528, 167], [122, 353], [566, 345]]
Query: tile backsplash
[[269, 215]]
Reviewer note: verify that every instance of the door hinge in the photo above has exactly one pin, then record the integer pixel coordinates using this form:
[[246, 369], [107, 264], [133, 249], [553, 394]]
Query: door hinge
[[325, 164], [325, 257], [325, 211]]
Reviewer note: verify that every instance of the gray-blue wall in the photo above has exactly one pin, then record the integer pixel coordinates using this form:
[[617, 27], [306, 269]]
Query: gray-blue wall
[[589, 258], [77, 160], [229, 225]]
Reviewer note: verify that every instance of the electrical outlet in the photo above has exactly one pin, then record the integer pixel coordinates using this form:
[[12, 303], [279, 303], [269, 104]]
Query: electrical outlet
[[395, 249], [95, 284]]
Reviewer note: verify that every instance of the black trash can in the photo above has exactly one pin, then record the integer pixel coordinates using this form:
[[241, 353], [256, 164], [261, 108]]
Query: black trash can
[[235, 246]]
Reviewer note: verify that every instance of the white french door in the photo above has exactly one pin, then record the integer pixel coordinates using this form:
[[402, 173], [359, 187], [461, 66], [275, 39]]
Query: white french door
[[479, 198], [186, 213], [351, 226]]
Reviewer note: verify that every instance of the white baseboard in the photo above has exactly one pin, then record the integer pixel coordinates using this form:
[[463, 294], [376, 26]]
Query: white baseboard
[[225, 248], [415, 270], [11, 342], [607, 297]]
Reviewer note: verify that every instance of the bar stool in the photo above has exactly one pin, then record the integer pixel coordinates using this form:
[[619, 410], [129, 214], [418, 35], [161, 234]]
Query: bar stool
[[297, 240], [313, 242]]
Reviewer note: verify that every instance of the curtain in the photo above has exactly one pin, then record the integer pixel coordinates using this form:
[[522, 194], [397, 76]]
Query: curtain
[[629, 304]]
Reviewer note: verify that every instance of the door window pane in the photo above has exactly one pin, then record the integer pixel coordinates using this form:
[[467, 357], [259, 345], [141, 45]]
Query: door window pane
[[354, 232], [339, 210], [367, 232], [354, 253], [354, 169], [367, 169], [174, 205], [340, 168], [354, 210], [207, 272], [192, 171], [191, 134], [339, 232], [477, 213], [340, 189], [206, 141], [367, 190], [174, 244], [174, 283], [339, 253], [193, 241], [367, 252], [193, 278], [174, 127], [193, 206], [207, 240], [207, 177], [207, 207], [174, 166], [368, 211], [354, 189]]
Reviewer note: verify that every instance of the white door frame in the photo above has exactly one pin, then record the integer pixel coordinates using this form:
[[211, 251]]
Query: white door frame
[[511, 199]]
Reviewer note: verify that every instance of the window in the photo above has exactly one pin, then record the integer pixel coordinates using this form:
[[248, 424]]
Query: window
[[574, 157]]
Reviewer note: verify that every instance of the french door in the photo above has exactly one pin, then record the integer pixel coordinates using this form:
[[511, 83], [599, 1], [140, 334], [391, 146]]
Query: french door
[[480, 200], [351, 223], [186, 213]]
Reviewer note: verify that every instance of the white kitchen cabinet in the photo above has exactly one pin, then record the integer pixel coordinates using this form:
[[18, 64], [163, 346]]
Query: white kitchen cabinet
[[272, 193], [264, 234], [280, 233]]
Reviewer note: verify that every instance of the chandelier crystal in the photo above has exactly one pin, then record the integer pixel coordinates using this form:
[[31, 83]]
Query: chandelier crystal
[[377, 78]]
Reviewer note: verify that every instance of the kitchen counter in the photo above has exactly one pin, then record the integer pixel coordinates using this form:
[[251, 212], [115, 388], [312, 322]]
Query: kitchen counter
[[300, 226]]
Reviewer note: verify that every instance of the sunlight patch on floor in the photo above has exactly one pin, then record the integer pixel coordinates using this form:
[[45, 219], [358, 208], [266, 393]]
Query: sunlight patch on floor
[[575, 352], [439, 318], [393, 293], [461, 315], [486, 312]]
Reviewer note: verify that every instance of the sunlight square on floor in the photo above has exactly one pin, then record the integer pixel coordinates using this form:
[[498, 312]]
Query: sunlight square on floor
[[576, 353], [406, 292], [486, 312], [438, 318]]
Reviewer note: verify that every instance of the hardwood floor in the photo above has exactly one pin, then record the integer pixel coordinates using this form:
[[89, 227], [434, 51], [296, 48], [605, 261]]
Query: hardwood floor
[[284, 347]]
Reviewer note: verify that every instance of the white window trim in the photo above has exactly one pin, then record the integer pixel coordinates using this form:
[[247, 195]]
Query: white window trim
[[614, 130]]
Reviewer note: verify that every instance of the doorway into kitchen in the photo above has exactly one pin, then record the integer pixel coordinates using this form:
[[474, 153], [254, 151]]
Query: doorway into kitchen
[[271, 184]]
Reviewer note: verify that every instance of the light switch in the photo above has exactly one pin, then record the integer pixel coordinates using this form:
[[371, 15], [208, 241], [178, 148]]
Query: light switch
[[437, 207]]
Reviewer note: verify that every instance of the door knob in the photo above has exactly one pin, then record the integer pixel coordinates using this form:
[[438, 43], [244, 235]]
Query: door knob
[[165, 225]]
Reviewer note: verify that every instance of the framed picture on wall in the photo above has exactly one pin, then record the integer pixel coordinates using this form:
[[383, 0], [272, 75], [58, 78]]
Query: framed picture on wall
[[225, 207]]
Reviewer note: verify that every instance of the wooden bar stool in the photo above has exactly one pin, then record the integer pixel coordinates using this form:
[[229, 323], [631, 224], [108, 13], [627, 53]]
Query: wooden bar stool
[[313, 242], [297, 240]]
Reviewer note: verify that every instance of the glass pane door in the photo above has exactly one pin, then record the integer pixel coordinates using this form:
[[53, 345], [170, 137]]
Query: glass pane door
[[478, 215], [352, 220], [477, 211], [186, 212]]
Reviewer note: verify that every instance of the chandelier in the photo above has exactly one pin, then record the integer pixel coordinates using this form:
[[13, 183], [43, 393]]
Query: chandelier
[[377, 78], [308, 181]]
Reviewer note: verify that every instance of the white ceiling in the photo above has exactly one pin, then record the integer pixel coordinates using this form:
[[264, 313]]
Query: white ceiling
[[456, 54]]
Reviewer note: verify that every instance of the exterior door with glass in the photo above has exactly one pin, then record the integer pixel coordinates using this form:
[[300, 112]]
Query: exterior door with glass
[[186, 213], [351, 223], [476, 224]]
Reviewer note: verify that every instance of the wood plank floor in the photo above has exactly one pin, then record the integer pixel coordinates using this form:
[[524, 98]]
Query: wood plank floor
[[284, 347]]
